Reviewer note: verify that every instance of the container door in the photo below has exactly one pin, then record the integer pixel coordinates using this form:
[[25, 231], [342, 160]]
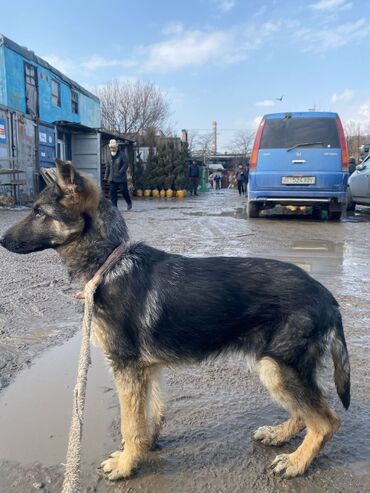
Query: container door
[[26, 155], [5, 141], [46, 146], [86, 153]]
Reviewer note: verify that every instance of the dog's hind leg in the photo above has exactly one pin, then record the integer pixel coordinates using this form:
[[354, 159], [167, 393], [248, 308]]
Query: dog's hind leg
[[155, 402], [300, 400], [132, 388]]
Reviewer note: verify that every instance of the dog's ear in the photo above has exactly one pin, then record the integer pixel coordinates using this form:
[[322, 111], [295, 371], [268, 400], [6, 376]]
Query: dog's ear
[[79, 190], [66, 173]]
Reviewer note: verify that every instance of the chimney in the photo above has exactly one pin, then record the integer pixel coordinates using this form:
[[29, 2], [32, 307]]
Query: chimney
[[184, 135]]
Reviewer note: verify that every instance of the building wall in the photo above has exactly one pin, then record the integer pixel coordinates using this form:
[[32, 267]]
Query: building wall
[[3, 99], [88, 108]]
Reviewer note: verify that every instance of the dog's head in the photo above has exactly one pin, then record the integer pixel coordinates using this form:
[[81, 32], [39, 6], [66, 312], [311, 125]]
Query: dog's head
[[59, 213]]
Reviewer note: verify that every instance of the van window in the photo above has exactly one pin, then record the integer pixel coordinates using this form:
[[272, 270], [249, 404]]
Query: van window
[[284, 133]]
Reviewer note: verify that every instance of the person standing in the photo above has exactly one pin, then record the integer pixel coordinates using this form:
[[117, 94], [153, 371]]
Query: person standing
[[193, 174], [217, 179], [116, 174], [246, 178], [240, 180]]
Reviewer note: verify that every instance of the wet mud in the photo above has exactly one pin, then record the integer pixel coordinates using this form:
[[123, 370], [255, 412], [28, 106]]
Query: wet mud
[[213, 408]]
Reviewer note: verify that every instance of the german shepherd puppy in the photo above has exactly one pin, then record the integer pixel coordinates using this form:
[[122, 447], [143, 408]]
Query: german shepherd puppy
[[277, 315]]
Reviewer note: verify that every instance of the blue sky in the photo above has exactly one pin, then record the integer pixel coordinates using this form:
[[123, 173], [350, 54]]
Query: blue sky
[[223, 60]]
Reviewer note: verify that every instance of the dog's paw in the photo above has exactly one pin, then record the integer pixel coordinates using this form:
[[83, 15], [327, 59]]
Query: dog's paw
[[286, 467], [117, 466], [267, 435]]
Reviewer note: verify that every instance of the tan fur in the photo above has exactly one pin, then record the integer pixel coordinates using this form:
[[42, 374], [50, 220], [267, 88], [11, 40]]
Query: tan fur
[[320, 421], [89, 202], [142, 411], [99, 333], [132, 388], [281, 433], [155, 401], [84, 198]]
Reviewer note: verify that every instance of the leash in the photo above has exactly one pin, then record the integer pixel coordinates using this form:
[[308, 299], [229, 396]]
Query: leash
[[72, 483]]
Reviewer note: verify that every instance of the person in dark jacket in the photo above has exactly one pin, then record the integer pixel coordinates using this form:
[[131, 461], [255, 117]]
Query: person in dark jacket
[[193, 174], [116, 174], [351, 165], [240, 179]]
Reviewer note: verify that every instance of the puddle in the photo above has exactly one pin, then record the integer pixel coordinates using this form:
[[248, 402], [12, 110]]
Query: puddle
[[36, 409], [238, 213], [357, 217], [314, 256], [282, 213]]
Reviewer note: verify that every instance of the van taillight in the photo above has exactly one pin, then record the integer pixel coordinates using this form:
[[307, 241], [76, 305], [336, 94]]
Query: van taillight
[[256, 146], [343, 145]]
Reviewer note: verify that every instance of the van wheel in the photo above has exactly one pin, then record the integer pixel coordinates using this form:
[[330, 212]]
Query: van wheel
[[350, 206], [316, 212], [253, 209], [334, 215]]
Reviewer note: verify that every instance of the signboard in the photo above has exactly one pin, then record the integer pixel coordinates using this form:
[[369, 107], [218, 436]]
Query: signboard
[[3, 139]]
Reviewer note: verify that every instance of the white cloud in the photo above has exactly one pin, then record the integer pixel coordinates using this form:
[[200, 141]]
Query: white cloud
[[173, 28], [326, 5], [255, 122], [97, 62], [364, 111], [188, 48], [194, 48], [225, 5], [260, 11], [265, 103], [65, 65], [345, 96], [358, 116], [330, 37], [182, 48]]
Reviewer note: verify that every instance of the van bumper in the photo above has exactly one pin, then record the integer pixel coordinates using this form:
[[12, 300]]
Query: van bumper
[[333, 200]]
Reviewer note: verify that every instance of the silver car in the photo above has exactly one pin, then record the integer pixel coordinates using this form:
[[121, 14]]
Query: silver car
[[358, 191]]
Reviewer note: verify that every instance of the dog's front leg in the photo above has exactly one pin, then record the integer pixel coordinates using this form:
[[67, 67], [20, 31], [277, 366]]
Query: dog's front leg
[[155, 403], [132, 388]]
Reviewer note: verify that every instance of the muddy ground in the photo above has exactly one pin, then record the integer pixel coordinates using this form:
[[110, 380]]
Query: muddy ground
[[213, 408]]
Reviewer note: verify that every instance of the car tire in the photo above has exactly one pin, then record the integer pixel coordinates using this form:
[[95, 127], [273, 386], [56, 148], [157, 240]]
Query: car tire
[[253, 209], [334, 215], [350, 206]]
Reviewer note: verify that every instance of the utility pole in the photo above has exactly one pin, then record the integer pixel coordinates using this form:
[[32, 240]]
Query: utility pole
[[214, 138]]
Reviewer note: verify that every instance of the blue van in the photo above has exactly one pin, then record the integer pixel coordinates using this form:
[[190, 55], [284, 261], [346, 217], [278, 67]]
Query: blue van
[[299, 159]]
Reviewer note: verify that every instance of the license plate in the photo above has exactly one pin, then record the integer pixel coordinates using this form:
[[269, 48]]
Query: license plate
[[298, 180]]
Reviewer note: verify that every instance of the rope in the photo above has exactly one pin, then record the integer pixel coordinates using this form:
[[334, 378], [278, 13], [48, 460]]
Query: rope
[[72, 482]]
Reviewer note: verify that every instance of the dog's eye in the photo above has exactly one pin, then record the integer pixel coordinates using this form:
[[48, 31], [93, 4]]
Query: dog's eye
[[38, 212]]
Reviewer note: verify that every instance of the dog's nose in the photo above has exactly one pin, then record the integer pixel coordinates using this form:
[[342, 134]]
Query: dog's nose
[[2, 240]]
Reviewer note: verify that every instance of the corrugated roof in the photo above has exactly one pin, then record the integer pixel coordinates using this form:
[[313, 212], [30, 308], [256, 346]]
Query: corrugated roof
[[78, 127]]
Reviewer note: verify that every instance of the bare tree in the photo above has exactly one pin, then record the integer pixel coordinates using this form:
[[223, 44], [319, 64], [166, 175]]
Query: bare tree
[[242, 142], [201, 145], [133, 107], [192, 138], [353, 137]]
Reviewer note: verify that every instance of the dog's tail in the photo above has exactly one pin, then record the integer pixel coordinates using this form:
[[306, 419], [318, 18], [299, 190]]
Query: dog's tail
[[341, 362]]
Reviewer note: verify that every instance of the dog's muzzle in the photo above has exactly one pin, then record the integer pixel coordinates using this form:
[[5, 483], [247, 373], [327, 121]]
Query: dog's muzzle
[[2, 240]]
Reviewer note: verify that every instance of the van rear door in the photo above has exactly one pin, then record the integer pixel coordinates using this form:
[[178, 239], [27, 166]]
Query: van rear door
[[299, 151]]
